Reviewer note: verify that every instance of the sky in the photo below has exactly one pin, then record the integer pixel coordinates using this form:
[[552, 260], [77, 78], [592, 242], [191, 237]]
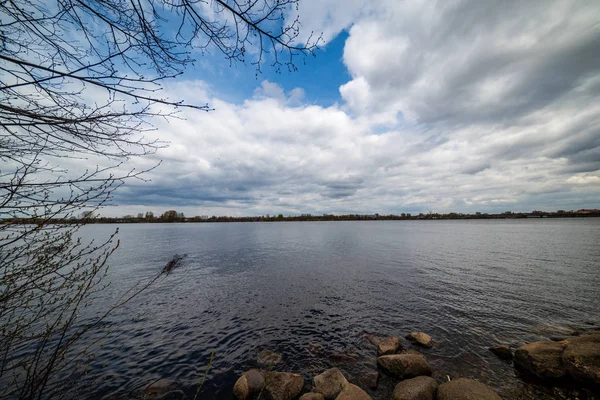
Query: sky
[[409, 106]]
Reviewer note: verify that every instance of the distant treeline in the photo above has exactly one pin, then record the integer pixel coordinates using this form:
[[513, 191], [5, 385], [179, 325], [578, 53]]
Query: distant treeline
[[174, 216]]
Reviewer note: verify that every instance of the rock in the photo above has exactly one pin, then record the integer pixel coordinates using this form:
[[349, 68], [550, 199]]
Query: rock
[[330, 383], [372, 338], [420, 338], [268, 358], [413, 351], [404, 366], [419, 388], [389, 345], [314, 348], [250, 383], [353, 392], [555, 330], [502, 351], [581, 358], [541, 359], [283, 386], [158, 388], [368, 379], [466, 389], [312, 396]]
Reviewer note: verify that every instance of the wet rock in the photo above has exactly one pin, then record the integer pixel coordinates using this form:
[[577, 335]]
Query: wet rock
[[502, 351], [283, 386], [314, 348], [555, 330], [353, 392], [330, 383], [250, 383], [368, 379], [312, 396], [389, 345], [581, 358], [413, 351], [268, 358], [158, 388], [371, 338], [466, 389], [419, 388], [420, 338], [404, 366], [541, 359]]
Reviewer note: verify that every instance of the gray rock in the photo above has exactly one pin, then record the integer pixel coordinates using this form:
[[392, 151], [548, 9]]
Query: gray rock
[[420, 338], [268, 358], [250, 383], [581, 358], [404, 366], [389, 345], [330, 383], [502, 351], [466, 389], [419, 388], [353, 392], [541, 359], [312, 396], [283, 386], [158, 388]]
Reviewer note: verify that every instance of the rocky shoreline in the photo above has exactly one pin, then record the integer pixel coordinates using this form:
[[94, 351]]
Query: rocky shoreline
[[571, 360]]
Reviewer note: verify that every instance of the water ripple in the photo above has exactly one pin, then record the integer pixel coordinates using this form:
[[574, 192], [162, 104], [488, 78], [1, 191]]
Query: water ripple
[[288, 287]]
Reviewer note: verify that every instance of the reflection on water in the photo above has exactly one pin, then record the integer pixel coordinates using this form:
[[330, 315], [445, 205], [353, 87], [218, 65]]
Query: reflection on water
[[318, 291]]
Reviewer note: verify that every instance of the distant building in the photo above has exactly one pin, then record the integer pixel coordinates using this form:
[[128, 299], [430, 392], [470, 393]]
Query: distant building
[[588, 211]]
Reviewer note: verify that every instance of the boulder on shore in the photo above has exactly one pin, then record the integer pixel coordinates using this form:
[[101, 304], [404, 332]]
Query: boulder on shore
[[353, 392], [404, 366], [541, 359], [581, 358], [419, 388], [329, 383], [389, 345], [420, 338], [268, 358], [466, 389], [502, 351], [250, 383], [283, 386]]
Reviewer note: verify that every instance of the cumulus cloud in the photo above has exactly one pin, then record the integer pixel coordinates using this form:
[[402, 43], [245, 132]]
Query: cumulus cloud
[[452, 106]]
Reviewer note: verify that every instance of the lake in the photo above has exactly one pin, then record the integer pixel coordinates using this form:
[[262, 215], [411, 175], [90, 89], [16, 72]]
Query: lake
[[288, 286]]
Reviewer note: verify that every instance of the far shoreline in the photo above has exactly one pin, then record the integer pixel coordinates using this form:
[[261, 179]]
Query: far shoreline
[[174, 217]]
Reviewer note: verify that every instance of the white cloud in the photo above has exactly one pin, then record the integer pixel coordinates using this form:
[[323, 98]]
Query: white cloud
[[452, 106]]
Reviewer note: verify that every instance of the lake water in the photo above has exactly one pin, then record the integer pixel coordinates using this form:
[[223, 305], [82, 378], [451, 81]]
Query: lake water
[[246, 287]]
